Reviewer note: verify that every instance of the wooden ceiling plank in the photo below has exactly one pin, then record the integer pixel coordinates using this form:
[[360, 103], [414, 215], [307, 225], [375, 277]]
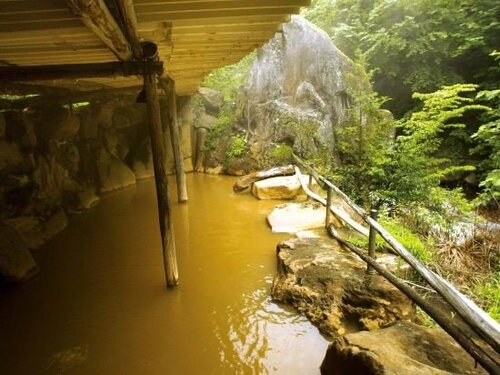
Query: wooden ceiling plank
[[196, 15], [201, 6], [96, 16]]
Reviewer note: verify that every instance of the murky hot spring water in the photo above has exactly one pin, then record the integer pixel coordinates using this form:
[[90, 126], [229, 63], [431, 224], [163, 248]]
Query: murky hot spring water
[[99, 305]]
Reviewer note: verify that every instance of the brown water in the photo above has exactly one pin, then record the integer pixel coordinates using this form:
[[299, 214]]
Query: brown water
[[99, 305]]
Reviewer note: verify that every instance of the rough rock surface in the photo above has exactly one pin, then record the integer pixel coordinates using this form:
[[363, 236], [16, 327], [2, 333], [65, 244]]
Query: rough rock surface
[[113, 173], [52, 158], [404, 348], [16, 262], [297, 88], [282, 187], [296, 217], [36, 231], [329, 285]]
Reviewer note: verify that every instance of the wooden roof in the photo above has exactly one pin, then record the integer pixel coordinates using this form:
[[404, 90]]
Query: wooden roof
[[194, 37]]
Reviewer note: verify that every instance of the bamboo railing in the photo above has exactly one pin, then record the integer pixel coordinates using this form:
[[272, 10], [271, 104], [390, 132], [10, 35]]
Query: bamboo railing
[[488, 352]]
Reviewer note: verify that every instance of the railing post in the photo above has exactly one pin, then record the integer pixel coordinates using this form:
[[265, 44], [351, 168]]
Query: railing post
[[372, 242], [328, 219]]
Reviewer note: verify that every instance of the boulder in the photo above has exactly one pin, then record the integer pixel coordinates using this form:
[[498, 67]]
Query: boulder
[[3, 126], [297, 88], [57, 123], [16, 262], [330, 286], [10, 157], [283, 187], [213, 100], [113, 173], [35, 231], [404, 348], [296, 217]]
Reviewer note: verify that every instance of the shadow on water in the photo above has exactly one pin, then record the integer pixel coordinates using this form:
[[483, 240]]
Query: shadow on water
[[99, 305]]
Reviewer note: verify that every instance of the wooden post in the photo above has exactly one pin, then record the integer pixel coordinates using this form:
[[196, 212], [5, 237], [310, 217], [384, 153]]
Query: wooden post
[[201, 136], [157, 148], [170, 116], [328, 219], [372, 241]]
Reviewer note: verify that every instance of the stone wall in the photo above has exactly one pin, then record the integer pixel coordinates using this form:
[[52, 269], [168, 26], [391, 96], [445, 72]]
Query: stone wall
[[56, 160]]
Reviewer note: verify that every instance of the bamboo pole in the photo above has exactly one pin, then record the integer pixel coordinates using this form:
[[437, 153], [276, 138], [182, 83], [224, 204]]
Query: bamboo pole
[[372, 240], [479, 320], [328, 217], [342, 215], [157, 148], [490, 362], [170, 116], [482, 323]]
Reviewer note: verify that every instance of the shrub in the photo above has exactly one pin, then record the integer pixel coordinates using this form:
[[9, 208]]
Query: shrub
[[237, 147], [282, 154]]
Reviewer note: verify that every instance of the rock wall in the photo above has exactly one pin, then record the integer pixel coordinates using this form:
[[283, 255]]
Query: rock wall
[[297, 94], [297, 88], [56, 160]]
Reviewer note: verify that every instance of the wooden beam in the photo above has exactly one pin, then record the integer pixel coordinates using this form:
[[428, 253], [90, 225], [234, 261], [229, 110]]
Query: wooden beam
[[157, 148], [47, 72], [127, 13], [96, 16], [159, 7], [210, 14], [170, 117]]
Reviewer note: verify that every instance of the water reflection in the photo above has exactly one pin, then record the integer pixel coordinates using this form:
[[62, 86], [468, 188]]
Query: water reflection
[[99, 305]]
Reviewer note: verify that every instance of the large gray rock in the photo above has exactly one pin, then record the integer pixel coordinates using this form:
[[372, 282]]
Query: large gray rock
[[330, 286], [212, 100], [297, 88], [113, 173], [16, 262], [404, 348]]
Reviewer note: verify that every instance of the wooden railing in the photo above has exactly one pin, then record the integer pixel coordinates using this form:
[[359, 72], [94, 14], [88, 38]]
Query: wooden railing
[[486, 352]]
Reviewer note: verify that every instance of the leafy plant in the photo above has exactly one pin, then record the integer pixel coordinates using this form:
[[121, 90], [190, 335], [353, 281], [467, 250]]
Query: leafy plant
[[282, 154], [237, 147]]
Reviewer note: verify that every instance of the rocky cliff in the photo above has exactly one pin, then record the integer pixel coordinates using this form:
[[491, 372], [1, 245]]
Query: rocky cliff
[[296, 94], [298, 88]]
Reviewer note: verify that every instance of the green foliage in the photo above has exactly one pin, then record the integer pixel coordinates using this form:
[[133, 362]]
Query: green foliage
[[416, 45], [282, 154], [487, 140], [237, 147], [229, 79], [422, 250], [413, 171], [489, 293], [363, 141]]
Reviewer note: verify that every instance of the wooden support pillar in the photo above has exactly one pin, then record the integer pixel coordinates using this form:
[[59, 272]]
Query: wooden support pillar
[[201, 136], [170, 116], [328, 218], [157, 148]]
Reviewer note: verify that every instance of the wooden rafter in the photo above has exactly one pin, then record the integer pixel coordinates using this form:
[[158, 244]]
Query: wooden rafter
[[96, 16]]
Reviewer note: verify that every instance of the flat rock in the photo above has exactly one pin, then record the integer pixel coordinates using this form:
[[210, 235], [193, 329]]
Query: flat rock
[[283, 187], [330, 286], [406, 349], [296, 217], [16, 262]]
